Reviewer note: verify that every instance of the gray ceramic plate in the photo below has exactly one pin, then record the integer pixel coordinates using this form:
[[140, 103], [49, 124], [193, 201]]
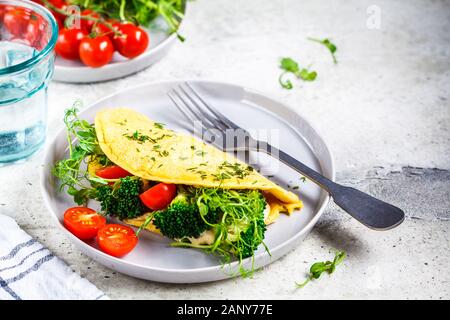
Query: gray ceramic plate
[[153, 259]]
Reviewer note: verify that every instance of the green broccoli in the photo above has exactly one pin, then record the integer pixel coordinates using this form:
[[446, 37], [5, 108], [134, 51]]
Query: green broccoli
[[122, 199], [182, 218]]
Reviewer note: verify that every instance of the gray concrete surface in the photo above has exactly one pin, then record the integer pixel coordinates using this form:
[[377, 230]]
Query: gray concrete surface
[[384, 110]]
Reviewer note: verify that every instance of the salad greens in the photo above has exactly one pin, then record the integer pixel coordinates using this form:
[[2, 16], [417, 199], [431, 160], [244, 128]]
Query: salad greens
[[69, 171], [320, 267]]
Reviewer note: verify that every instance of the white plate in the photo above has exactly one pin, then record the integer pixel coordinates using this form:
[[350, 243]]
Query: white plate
[[77, 72], [153, 259]]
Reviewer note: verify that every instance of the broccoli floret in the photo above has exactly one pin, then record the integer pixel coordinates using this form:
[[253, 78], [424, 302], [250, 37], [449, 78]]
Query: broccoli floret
[[252, 237], [122, 199], [182, 218]]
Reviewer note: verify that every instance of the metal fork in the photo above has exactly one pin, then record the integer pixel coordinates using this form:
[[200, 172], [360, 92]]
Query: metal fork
[[371, 212]]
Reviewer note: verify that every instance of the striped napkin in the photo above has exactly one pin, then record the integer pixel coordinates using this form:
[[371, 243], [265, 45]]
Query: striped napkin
[[28, 270]]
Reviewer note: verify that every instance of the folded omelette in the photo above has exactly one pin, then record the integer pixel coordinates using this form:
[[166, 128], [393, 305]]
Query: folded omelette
[[148, 150]]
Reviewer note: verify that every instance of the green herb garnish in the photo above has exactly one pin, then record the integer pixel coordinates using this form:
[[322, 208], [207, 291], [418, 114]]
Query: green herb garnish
[[327, 43], [320, 267], [83, 144], [290, 66]]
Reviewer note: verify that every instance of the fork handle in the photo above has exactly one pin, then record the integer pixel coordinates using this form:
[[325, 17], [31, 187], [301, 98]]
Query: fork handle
[[370, 211]]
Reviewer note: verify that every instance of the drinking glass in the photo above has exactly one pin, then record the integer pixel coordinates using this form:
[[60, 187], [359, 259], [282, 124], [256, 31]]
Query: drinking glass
[[28, 33]]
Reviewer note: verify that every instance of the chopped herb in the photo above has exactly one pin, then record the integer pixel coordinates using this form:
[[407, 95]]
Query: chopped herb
[[203, 164], [327, 43], [137, 136], [295, 187], [303, 178], [159, 125], [160, 165], [271, 176], [191, 169], [156, 147], [192, 147], [183, 158], [137, 149], [200, 153], [165, 153], [319, 267]]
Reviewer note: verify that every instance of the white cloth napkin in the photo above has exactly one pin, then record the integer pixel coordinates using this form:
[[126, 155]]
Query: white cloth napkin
[[28, 270]]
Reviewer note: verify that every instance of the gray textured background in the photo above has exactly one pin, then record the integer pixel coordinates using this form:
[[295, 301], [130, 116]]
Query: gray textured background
[[384, 110]]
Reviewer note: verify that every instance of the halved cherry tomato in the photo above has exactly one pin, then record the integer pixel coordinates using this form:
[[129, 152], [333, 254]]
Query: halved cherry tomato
[[159, 196], [86, 24], [132, 42], [68, 43], [16, 19], [116, 240], [112, 172], [96, 52], [83, 222]]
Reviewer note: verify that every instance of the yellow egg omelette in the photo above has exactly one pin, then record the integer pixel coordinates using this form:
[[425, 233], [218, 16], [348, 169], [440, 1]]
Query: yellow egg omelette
[[150, 151]]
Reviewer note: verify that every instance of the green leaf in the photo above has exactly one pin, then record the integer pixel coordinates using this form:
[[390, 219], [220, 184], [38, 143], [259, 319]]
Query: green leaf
[[289, 65], [306, 75]]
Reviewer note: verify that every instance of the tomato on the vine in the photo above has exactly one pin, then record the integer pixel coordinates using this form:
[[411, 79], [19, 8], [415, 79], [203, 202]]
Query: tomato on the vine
[[34, 30], [68, 43], [96, 52], [87, 24], [16, 20], [132, 41]]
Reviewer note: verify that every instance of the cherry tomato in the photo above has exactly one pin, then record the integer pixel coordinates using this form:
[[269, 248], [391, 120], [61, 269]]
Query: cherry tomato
[[116, 240], [132, 42], [16, 20], [68, 43], [86, 24], [100, 29], [34, 30], [83, 222], [159, 196], [112, 172], [96, 52]]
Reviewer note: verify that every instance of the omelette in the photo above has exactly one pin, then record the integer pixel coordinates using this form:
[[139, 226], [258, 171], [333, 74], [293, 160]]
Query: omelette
[[180, 159], [210, 199]]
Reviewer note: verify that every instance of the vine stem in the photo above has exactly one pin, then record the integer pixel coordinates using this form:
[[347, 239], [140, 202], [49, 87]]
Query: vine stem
[[89, 18]]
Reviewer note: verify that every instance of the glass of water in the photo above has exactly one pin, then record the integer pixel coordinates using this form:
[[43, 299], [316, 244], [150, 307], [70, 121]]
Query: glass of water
[[28, 34]]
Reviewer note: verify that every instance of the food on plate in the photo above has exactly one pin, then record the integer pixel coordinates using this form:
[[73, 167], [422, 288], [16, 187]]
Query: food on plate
[[82, 36], [83, 222], [68, 43], [170, 183], [116, 240], [95, 52]]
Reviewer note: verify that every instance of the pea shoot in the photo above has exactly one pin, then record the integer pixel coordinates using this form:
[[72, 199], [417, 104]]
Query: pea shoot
[[318, 268], [290, 66], [327, 43]]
